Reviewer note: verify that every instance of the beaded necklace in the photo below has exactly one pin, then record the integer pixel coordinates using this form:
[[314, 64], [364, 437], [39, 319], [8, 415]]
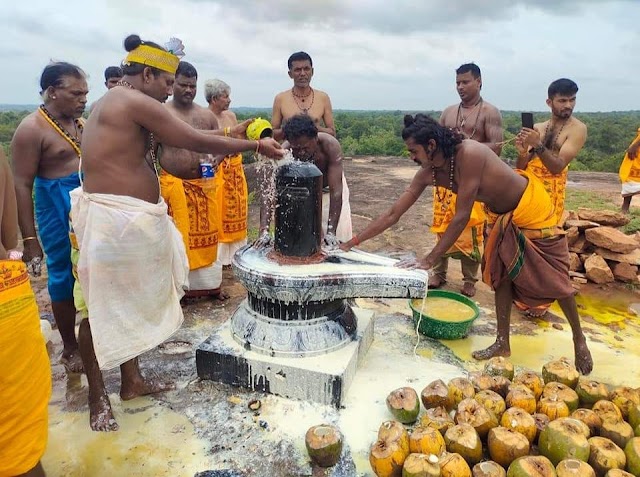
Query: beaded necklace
[[74, 141], [302, 108], [445, 200], [547, 139], [463, 119], [155, 164]]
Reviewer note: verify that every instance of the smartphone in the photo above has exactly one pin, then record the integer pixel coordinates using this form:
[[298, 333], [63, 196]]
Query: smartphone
[[527, 120]]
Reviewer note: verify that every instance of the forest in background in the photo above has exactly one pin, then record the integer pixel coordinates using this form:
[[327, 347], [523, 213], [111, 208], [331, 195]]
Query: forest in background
[[377, 133]]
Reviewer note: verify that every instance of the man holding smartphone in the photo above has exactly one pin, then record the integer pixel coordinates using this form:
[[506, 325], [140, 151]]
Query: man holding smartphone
[[479, 120], [547, 148]]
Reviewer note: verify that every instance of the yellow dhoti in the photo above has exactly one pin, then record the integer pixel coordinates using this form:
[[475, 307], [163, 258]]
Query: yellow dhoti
[[554, 184], [231, 198], [25, 373], [630, 173]]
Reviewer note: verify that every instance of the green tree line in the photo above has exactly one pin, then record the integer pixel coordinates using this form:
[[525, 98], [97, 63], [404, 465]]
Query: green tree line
[[377, 133]]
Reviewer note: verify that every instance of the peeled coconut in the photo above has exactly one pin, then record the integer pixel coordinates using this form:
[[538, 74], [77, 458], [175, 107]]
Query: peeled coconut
[[436, 394], [541, 421], [459, 389], [590, 418], [438, 418], [387, 458], [607, 411], [618, 473], [324, 444], [426, 440], [464, 440], [501, 385], [625, 398], [530, 380], [632, 452], [531, 466], [481, 381], [491, 401], [394, 431], [574, 468], [563, 392], [562, 439], [619, 432], [505, 445], [605, 455], [475, 414], [499, 366], [404, 405], [553, 407], [590, 392], [421, 465], [522, 397], [454, 465], [488, 468], [520, 421], [561, 371]]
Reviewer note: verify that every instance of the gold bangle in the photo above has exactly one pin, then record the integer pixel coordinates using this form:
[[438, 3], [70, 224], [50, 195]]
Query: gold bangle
[[227, 130], [29, 238]]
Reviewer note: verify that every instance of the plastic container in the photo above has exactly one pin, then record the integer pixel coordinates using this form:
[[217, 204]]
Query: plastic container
[[444, 330]]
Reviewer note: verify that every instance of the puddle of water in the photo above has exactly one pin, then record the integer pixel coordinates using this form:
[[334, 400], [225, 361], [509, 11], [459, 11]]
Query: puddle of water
[[612, 308]]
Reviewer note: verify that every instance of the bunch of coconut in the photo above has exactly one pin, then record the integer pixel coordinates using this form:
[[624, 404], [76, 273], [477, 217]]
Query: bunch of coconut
[[501, 423]]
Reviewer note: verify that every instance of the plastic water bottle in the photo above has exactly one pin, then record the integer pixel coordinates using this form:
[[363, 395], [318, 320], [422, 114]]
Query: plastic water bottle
[[207, 178]]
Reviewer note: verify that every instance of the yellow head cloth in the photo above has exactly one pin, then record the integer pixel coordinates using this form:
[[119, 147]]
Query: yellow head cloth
[[150, 56]]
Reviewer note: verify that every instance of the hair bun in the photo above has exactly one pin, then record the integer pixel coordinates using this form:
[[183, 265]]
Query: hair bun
[[408, 120], [132, 42]]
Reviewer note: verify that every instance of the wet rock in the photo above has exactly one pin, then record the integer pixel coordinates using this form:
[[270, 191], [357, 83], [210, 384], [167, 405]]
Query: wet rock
[[597, 270], [580, 224], [633, 258], [575, 264], [611, 239], [625, 272], [572, 234], [603, 217]]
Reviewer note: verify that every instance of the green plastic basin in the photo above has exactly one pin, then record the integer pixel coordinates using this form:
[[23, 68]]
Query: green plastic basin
[[445, 330]]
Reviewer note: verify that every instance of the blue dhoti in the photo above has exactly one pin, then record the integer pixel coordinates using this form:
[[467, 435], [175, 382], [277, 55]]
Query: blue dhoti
[[52, 207]]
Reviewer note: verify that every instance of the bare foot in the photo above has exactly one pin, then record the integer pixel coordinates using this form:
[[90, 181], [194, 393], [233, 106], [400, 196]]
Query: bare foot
[[584, 361], [100, 414], [468, 289], [72, 361], [221, 296], [436, 282], [143, 388], [496, 349]]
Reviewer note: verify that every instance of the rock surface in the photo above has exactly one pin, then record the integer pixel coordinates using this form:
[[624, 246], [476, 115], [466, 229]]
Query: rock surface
[[604, 217], [611, 239], [597, 270]]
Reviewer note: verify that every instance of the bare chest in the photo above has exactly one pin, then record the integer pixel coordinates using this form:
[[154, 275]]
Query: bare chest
[[312, 105]]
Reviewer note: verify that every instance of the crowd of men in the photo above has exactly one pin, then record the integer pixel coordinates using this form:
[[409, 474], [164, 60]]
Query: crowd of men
[[129, 224]]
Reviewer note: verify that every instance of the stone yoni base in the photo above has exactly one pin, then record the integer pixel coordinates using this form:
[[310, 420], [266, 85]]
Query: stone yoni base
[[324, 379]]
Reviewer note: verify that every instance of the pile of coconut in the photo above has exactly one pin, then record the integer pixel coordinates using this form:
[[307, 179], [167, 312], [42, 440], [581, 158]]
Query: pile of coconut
[[497, 423]]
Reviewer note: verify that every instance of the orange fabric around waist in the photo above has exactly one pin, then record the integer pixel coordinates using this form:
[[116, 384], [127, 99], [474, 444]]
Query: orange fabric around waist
[[630, 169], [231, 197], [554, 184]]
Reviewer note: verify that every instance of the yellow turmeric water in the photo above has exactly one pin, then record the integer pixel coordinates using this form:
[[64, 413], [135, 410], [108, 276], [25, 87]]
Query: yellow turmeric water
[[444, 309]]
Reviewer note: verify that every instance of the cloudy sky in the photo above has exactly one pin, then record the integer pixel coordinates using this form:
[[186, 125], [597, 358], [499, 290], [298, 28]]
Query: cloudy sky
[[368, 54]]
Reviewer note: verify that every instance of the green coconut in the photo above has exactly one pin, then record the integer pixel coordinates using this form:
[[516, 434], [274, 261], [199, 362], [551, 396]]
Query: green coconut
[[436, 394], [404, 405], [619, 432], [618, 473], [561, 371], [506, 445], [421, 465], [475, 414], [590, 392], [454, 465], [426, 440], [520, 421], [541, 420], [464, 440], [607, 411], [632, 452], [590, 418], [488, 468], [492, 402], [459, 389], [501, 385], [324, 444], [634, 416], [563, 392], [521, 396], [574, 468], [531, 380], [481, 381], [499, 366], [438, 418], [625, 398], [562, 439], [636, 431], [531, 466], [605, 455]]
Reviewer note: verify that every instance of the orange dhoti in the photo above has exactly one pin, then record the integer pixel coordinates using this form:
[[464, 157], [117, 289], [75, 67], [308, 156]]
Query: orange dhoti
[[231, 198], [195, 213], [25, 373], [630, 173]]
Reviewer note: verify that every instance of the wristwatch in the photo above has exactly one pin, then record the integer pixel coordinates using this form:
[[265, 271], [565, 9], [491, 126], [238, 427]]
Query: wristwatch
[[538, 149]]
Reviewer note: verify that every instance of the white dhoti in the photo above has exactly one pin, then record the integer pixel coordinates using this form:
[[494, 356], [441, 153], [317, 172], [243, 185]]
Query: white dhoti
[[344, 232], [630, 188], [132, 270], [208, 278], [226, 251]]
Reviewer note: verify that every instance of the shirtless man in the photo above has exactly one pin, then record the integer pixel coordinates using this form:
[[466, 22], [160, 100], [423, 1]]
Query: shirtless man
[[479, 120], [132, 265], [46, 151], [232, 194], [112, 74], [302, 98], [548, 149], [323, 150], [521, 204]]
